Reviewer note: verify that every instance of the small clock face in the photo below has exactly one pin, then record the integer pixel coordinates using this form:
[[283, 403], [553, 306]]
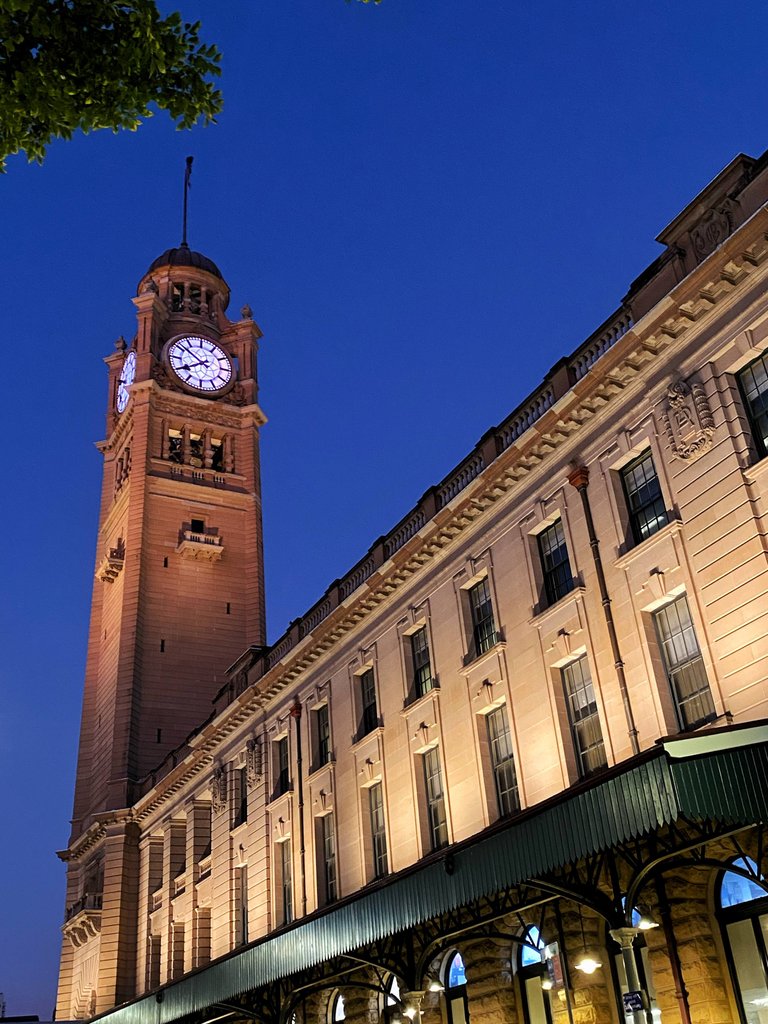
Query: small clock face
[[126, 379], [200, 364]]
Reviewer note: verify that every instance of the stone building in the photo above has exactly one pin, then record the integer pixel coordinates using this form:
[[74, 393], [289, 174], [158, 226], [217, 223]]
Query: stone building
[[511, 767]]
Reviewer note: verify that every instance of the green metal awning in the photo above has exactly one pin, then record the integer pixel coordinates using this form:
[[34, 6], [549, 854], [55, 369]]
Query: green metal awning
[[721, 775]]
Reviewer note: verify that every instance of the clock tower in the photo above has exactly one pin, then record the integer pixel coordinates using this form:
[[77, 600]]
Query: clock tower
[[179, 588], [178, 592]]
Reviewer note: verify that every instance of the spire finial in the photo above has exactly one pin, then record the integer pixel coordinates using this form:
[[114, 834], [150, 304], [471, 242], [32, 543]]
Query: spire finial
[[187, 176]]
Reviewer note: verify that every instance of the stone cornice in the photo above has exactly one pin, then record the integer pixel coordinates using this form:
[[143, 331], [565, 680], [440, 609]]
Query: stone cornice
[[691, 301]]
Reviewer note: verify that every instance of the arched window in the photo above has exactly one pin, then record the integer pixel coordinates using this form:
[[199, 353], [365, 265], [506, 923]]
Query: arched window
[[391, 1005], [336, 1010], [743, 914], [531, 972], [455, 982]]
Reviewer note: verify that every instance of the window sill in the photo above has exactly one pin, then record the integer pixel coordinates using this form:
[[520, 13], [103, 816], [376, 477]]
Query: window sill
[[540, 615], [626, 558], [756, 470], [239, 826], [412, 701], [279, 795], [315, 768], [358, 741], [478, 659]]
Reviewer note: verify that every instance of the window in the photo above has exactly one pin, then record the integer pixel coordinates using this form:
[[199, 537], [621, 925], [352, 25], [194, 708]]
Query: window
[[282, 767], [378, 831], [423, 681], [455, 983], [392, 1004], [285, 891], [240, 798], [531, 971], [322, 736], [337, 1011], [326, 868], [175, 446], [154, 950], [241, 906], [369, 716], [196, 450], [197, 526], [743, 915], [647, 512], [502, 761], [684, 664], [583, 717], [435, 798], [483, 623], [558, 579], [753, 381]]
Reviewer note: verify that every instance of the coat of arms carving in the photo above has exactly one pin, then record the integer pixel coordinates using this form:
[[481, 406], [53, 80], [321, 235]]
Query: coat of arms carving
[[688, 420]]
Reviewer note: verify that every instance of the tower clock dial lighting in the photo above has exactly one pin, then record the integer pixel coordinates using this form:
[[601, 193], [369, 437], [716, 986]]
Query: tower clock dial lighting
[[126, 379], [200, 364]]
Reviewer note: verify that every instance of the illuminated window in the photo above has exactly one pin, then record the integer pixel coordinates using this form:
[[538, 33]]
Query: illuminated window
[[555, 566], [484, 634], [684, 664], [743, 915], [435, 799], [531, 971], [642, 491], [455, 982], [583, 716], [753, 381], [337, 1011], [502, 761], [391, 1008]]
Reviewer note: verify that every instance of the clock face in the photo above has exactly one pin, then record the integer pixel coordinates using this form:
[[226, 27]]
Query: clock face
[[200, 364], [126, 379]]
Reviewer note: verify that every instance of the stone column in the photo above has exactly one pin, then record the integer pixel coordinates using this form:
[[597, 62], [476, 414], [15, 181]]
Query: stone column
[[625, 937]]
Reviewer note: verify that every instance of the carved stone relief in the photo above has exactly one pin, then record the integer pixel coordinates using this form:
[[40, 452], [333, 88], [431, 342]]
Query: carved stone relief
[[219, 789], [254, 761], [688, 420], [711, 231]]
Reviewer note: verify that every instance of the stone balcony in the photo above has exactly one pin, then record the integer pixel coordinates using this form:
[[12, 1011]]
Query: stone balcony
[[83, 920], [207, 547]]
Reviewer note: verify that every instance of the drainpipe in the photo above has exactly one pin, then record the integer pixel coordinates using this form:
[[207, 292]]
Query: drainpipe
[[579, 478], [674, 957], [296, 715]]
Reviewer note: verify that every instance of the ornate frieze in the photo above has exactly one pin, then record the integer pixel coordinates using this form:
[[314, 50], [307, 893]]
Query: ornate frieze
[[688, 420]]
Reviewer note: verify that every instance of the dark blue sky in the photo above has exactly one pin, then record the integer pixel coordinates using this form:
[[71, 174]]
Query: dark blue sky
[[425, 203]]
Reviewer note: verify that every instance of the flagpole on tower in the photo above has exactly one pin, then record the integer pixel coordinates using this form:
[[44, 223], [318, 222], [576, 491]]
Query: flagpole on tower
[[187, 176]]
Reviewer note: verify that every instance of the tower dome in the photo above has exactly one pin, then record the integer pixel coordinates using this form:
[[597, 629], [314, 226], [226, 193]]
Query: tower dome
[[183, 256]]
